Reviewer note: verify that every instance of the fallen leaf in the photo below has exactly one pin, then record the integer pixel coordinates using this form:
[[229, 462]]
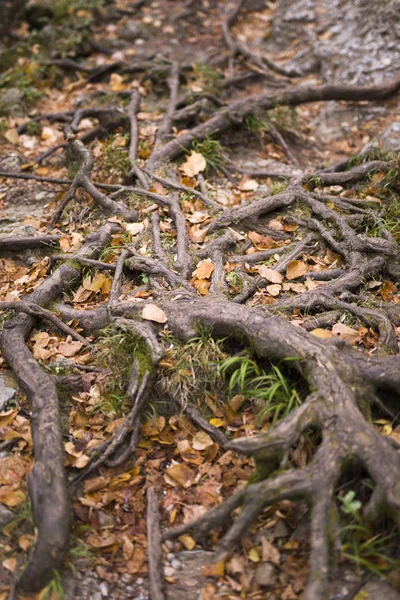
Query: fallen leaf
[[194, 164], [253, 555], [116, 83], [322, 333], [12, 135], [352, 336], [269, 552], [69, 349], [296, 269], [201, 441], [10, 564], [270, 274], [248, 185], [187, 541], [151, 312], [202, 286], [182, 474], [204, 269], [134, 228], [274, 290], [214, 570]]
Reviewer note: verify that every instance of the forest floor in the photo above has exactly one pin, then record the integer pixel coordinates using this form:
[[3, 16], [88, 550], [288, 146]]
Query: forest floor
[[200, 301]]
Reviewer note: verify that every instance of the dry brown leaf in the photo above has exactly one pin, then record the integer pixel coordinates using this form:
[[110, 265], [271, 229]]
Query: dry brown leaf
[[202, 286], [275, 225], [204, 269], [116, 83], [296, 269], [69, 348], [270, 274], [134, 228], [269, 552], [12, 135], [248, 185], [201, 441], [194, 164], [274, 289], [10, 564], [151, 312], [352, 336], [181, 474]]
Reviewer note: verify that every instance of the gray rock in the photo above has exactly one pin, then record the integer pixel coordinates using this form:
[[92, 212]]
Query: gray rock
[[6, 393], [131, 31], [176, 564], [11, 162], [169, 571], [6, 515], [104, 588], [11, 102], [265, 574]]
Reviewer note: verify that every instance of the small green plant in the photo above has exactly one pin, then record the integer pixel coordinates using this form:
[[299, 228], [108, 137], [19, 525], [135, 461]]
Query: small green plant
[[118, 349], [277, 187], [211, 149], [207, 77], [191, 369], [54, 587], [387, 220], [371, 154], [361, 546], [283, 118], [115, 158], [33, 128], [246, 377], [255, 123]]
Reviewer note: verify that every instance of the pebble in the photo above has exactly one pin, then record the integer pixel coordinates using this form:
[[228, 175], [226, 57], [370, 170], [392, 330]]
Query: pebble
[[176, 564], [169, 544], [169, 571], [170, 556], [104, 588]]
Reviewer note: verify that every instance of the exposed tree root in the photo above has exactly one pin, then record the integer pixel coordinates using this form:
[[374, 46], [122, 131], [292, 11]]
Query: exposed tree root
[[343, 382]]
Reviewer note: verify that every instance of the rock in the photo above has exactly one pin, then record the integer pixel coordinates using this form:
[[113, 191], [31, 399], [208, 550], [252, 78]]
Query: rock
[[104, 589], [131, 31], [176, 564], [11, 102], [6, 393], [11, 163], [265, 574], [6, 515], [389, 140], [169, 571], [96, 596]]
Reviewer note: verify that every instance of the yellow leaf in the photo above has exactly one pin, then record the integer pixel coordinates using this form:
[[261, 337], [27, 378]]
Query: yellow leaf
[[217, 422], [194, 164], [253, 555], [154, 427], [151, 312], [116, 84], [12, 135], [187, 541], [11, 498], [322, 333], [296, 269], [204, 269], [202, 286], [214, 570]]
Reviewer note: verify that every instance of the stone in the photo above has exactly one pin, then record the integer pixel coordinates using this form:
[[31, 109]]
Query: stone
[[131, 31], [176, 564], [169, 571], [104, 588], [11, 102], [6, 393], [6, 515], [265, 574]]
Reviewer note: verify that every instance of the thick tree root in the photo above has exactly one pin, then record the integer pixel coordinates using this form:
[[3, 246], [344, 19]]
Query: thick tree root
[[47, 481]]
